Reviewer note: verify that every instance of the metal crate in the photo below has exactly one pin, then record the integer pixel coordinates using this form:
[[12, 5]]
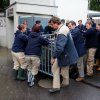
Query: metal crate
[[45, 66]]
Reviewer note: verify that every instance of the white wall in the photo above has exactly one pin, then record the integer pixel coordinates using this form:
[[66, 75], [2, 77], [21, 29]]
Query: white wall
[[10, 31], [41, 2], [72, 9], [3, 38], [45, 10]]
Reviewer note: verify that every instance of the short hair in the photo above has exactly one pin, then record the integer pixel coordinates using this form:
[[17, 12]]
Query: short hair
[[37, 21], [67, 22], [25, 23], [55, 20], [72, 22], [63, 20], [89, 22], [80, 20], [98, 24], [21, 26], [36, 28], [49, 21]]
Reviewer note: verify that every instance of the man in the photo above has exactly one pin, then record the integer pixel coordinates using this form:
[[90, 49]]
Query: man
[[81, 26], [92, 20], [80, 47], [62, 21], [38, 22], [28, 31], [48, 29], [91, 45], [98, 49], [64, 55]]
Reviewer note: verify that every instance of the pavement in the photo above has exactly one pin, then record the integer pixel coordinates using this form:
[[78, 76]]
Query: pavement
[[16, 90]]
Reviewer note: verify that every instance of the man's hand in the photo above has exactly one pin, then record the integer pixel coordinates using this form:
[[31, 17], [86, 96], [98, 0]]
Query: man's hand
[[52, 60]]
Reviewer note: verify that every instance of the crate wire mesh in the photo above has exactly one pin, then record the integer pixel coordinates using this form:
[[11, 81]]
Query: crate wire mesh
[[45, 66]]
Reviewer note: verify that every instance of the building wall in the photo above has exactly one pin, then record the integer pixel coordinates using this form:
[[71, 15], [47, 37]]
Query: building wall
[[3, 37], [36, 9], [40, 2]]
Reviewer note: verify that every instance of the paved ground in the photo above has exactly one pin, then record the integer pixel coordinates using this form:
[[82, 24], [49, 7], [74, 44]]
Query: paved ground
[[16, 90]]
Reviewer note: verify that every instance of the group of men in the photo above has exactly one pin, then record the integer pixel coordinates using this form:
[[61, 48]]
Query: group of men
[[72, 43], [86, 46]]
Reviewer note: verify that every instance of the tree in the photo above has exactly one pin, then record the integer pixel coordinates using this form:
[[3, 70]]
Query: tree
[[4, 4], [94, 5]]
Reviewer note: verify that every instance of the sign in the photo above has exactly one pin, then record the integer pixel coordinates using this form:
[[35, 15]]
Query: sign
[[10, 12]]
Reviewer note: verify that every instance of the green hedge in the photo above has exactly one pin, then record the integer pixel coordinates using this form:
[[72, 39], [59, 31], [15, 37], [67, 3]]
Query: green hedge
[[95, 5]]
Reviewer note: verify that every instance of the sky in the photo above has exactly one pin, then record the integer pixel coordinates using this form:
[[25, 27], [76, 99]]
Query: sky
[[72, 9]]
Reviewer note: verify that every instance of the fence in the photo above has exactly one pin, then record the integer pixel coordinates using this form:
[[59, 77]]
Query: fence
[[45, 66]]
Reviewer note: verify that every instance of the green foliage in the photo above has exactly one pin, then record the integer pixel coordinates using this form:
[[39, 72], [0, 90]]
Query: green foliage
[[4, 4], [94, 5]]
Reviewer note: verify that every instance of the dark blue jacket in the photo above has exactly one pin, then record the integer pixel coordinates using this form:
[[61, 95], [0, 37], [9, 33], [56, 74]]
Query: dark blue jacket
[[78, 41], [28, 31], [20, 42], [97, 55], [82, 28], [98, 36], [35, 42], [65, 51], [91, 38], [93, 24]]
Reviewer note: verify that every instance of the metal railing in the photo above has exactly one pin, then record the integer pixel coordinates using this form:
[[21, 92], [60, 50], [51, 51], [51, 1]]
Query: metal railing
[[45, 66]]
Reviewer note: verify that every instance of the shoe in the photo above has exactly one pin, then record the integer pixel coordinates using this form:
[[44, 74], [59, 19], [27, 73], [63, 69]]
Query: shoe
[[32, 78], [90, 74], [29, 76], [54, 90], [79, 79]]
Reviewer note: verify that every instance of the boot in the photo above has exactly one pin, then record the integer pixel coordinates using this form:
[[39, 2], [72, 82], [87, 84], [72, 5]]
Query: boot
[[21, 74], [14, 74], [29, 76], [32, 78]]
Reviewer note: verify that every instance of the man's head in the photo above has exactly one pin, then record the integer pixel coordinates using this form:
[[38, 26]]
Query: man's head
[[21, 27], [55, 22], [71, 25], [38, 22], [26, 24], [89, 24], [98, 27], [80, 22], [62, 21]]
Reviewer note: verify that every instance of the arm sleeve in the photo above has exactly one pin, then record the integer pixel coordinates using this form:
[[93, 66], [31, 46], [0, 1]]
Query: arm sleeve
[[89, 33], [43, 41], [24, 37], [60, 45], [75, 34]]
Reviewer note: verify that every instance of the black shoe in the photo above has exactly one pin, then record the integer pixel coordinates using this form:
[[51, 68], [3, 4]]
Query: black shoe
[[14, 74], [54, 90]]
